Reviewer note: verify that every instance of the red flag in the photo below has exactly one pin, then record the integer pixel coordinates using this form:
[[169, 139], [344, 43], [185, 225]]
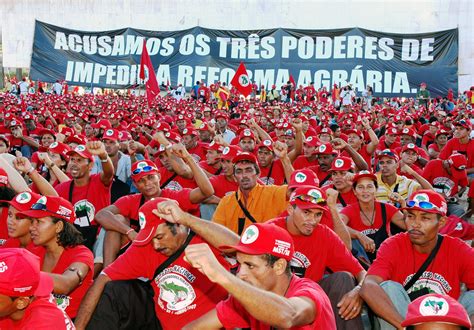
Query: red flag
[[241, 81], [292, 80], [147, 73]]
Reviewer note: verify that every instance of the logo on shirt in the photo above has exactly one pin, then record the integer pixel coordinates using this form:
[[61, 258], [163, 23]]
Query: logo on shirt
[[434, 282], [3, 267], [173, 185], [434, 306], [268, 181], [62, 301], [53, 145], [175, 293], [85, 212], [250, 235]]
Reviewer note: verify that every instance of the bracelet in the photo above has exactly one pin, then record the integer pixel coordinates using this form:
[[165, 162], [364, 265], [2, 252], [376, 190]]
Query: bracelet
[[78, 273], [104, 160], [129, 231], [30, 170]]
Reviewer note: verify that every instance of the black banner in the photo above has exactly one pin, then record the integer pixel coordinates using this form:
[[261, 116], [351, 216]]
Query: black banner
[[392, 64]]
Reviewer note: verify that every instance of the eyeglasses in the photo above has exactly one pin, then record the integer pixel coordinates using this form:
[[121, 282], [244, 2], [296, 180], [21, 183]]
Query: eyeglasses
[[143, 169], [422, 205], [311, 199]]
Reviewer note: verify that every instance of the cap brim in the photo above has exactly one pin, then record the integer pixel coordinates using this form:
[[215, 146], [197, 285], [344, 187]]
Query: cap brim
[[373, 177], [307, 205], [416, 208], [45, 285], [437, 319], [69, 153], [240, 158], [145, 236]]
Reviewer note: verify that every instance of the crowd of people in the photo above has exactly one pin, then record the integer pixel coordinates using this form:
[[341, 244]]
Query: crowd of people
[[291, 208]]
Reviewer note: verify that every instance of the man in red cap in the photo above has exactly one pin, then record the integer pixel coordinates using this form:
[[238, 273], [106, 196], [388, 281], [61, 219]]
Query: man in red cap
[[423, 95], [309, 157], [446, 176], [355, 139], [428, 264], [181, 292], [190, 139], [249, 204], [274, 170], [89, 193], [222, 127], [247, 140], [307, 207], [341, 170], [25, 294], [461, 143], [121, 218], [264, 293]]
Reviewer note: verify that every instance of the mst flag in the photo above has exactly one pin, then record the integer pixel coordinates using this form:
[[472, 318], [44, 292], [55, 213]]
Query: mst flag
[[147, 74], [241, 81]]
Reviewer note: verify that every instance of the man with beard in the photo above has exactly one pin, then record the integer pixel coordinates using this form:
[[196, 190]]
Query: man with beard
[[432, 263], [89, 193]]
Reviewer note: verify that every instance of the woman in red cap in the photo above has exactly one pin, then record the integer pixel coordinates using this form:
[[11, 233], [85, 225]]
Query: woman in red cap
[[69, 263], [47, 138], [369, 220]]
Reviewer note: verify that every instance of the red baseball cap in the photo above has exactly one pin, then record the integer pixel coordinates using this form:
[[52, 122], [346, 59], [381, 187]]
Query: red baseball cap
[[79, 139], [458, 161], [265, 238], [464, 123], [124, 136], [111, 134], [45, 131], [437, 308], [364, 174], [342, 163], [312, 141], [51, 206], [21, 275], [266, 144], [82, 151], [148, 221], [307, 197], [189, 131], [204, 127], [427, 201], [410, 146], [392, 131], [228, 153], [246, 133], [3, 177], [325, 149], [442, 132], [303, 177], [23, 201], [143, 167], [103, 123], [248, 156], [214, 146], [408, 131], [388, 153], [59, 148], [356, 132]]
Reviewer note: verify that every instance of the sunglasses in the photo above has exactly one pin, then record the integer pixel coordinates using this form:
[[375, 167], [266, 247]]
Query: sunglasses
[[144, 169], [311, 199], [423, 205], [42, 207]]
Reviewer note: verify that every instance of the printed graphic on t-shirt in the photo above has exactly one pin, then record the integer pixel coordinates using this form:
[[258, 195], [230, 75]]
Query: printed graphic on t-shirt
[[434, 282], [443, 185], [176, 290], [62, 301], [268, 181], [299, 263], [85, 212], [173, 185]]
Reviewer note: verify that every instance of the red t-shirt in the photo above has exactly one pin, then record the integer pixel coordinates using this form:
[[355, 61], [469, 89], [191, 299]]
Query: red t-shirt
[[15, 243], [232, 314], [343, 199], [441, 180], [3, 225], [128, 205], [398, 261], [322, 176], [466, 149], [277, 176], [363, 152], [198, 152], [182, 293], [222, 186], [382, 145], [92, 197], [353, 213], [208, 168], [303, 162], [178, 183], [331, 253], [41, 314], [70, 303]]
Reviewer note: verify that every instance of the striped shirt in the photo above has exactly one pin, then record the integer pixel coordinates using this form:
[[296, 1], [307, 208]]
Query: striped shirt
[[403, 186]]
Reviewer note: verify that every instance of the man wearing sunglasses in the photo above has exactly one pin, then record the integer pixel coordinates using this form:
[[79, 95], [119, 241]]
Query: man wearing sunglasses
[[418, 262], [305, 211], [121, 218]]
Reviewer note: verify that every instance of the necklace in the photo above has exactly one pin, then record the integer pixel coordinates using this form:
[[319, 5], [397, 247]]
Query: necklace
[[369, 220]]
